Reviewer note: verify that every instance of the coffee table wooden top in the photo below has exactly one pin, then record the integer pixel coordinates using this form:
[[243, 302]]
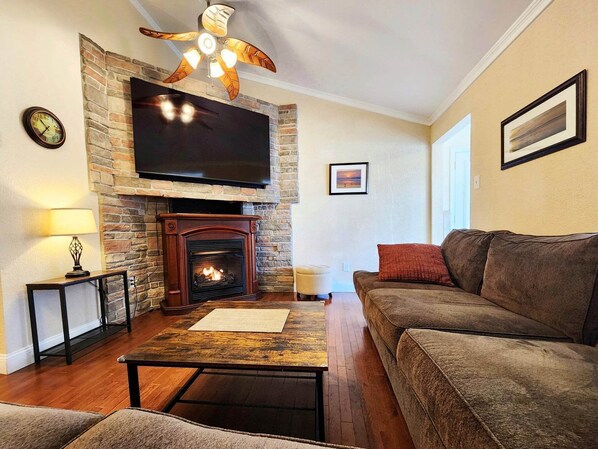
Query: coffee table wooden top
[[300, 347]]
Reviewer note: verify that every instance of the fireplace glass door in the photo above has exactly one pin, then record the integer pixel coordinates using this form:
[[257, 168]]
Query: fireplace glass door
[[216, 269]]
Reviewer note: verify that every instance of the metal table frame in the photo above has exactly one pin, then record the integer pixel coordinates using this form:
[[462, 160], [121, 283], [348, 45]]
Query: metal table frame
[[135, 395], [80, 342]]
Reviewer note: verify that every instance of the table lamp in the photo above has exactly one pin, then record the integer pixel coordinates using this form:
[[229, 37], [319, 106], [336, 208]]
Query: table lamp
[[73, 222]]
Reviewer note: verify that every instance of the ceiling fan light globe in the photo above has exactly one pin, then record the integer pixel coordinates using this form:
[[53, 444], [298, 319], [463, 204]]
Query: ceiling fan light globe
[[193, 57], [206, 43], [215, 69], [229, 57]]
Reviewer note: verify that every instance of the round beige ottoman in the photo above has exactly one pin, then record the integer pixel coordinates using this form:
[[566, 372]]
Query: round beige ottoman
[[313, 280]]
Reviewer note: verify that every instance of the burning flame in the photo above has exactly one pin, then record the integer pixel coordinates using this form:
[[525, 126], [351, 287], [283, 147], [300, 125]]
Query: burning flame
[[212, 273]]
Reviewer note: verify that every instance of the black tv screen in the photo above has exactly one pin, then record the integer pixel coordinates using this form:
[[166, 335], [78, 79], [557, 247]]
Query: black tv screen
[[179, 136]]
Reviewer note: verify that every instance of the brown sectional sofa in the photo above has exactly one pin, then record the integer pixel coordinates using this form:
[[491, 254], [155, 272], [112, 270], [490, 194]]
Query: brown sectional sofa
[[506, 359], [24, 427]]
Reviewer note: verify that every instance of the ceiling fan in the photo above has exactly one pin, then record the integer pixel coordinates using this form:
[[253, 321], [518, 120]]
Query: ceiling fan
[[221, 51]]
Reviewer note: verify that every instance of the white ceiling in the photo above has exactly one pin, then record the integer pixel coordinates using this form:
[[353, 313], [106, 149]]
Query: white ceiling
[[400, 57]]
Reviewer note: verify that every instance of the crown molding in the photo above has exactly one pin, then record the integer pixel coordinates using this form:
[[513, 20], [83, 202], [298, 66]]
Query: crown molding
[[335, 98], [522, 22]]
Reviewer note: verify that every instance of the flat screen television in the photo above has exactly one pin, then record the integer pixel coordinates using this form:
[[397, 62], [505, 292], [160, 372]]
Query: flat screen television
[[183, 137]]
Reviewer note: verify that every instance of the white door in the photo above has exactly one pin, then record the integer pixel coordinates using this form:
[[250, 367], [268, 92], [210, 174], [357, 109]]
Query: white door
[[459, 189], [450, 180]]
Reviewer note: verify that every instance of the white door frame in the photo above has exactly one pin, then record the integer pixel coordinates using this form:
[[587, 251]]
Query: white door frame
[[441, 181]]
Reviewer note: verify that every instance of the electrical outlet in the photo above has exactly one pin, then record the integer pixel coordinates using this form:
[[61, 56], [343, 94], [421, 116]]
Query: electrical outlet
[[346, 267], [132, 281]]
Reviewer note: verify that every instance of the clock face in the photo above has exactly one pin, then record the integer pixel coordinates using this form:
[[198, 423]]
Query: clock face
[[44, 127]]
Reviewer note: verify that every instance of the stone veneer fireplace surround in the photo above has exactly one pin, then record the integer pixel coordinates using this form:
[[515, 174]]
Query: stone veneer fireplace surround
[[129, 205]]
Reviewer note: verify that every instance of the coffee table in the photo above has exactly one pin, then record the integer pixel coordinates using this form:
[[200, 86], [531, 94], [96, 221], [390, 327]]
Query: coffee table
[[300, 348]]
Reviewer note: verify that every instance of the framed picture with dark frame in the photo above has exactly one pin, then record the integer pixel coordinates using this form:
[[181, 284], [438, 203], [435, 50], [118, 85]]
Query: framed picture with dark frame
[[553, 122], [348, 179]]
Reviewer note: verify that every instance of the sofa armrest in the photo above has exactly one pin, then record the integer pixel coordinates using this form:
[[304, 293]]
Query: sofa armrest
[[23, 426]]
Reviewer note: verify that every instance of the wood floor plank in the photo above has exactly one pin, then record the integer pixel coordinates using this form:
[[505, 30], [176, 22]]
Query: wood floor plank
[[360, 408]]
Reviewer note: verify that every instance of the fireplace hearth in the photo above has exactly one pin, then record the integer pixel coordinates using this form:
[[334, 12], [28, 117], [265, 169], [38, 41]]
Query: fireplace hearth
[[206, 257]]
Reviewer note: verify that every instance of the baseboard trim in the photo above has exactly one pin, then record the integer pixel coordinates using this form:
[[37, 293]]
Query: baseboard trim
[[14, 361]]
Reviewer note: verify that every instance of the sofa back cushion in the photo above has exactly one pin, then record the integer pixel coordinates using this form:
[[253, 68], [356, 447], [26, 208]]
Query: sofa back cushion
[[549, 279], [465, 251]]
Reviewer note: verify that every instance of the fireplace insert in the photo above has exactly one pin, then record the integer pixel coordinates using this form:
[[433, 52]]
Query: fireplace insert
[[216, 269]]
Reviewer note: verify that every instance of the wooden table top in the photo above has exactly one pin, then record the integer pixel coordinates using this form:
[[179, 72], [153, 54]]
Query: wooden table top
[[65, 282], [300, 347]]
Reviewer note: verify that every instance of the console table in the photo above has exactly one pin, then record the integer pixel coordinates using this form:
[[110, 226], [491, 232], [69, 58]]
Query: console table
[[80, 342]]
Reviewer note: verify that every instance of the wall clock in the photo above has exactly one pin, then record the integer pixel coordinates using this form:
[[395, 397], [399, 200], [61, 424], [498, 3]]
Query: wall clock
[[44, 127]]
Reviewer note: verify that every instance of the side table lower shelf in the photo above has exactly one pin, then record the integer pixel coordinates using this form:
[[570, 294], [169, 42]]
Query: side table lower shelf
[[84, 340]]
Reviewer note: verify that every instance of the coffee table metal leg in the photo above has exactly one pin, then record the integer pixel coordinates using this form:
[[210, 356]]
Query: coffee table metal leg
[[134, 394], [320, 431]]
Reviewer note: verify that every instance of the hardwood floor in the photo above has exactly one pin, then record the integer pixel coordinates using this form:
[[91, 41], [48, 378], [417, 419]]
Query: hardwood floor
[[360, 407]]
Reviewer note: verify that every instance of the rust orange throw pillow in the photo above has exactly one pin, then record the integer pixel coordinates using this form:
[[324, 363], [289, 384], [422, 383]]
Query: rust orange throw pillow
[[413, 262]]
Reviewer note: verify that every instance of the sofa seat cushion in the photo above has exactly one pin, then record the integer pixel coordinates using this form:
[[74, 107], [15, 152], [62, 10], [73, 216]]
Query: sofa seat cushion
[[365, 281], [145, 429], [487, 392], [391, 311], [41, 427]]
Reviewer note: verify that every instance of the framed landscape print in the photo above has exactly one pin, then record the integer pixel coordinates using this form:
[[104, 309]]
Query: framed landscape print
[[348, 179], [553, 122]]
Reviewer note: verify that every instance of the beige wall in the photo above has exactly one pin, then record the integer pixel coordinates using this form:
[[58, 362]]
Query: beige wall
[[559, 192], [41, 66], [346, 228]]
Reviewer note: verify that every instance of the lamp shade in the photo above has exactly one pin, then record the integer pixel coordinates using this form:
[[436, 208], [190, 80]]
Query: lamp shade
[[72, 222]]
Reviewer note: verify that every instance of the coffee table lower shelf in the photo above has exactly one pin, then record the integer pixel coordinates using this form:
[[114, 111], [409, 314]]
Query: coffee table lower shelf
[[135, 396]]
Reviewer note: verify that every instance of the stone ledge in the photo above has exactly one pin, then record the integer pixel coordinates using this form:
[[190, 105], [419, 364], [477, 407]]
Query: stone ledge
[[201, 195]]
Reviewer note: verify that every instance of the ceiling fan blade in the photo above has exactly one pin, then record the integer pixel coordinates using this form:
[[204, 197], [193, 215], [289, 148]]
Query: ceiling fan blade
[[230, 79], [250, 54], [181, 72], [188, 36], [215, 19]]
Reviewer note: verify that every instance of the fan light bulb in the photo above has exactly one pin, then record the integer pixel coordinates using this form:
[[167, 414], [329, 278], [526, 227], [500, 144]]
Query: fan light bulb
[[215, 69], [193, 57], [187, 113], [207, 43], [167, 109], [188, 108], [229, 57]]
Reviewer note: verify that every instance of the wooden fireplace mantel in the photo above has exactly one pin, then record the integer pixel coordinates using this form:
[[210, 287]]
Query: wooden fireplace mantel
[[178, 229]]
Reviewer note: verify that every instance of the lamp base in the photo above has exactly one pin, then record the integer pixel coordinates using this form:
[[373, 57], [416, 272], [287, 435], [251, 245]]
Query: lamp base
[[77, 272]]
